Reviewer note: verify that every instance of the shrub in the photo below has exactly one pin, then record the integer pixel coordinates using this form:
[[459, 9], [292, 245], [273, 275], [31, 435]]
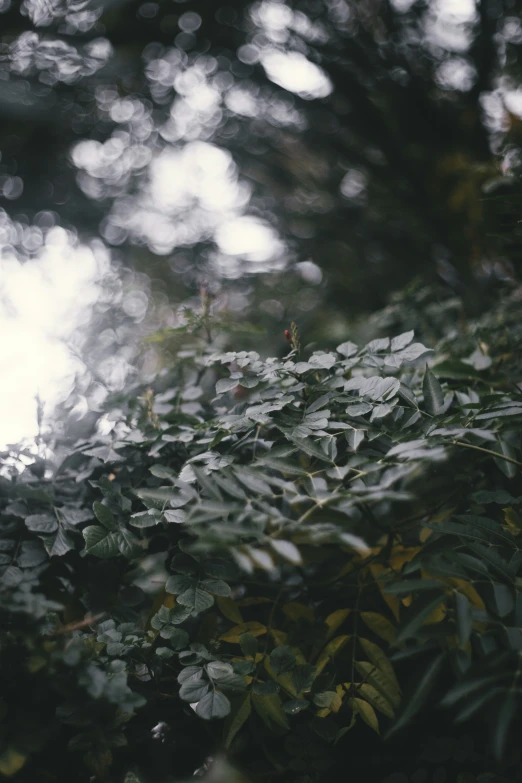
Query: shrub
[[271, 559]]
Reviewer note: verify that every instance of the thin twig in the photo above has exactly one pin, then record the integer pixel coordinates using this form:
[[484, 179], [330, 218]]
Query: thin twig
[[486, 451], [81, 624]]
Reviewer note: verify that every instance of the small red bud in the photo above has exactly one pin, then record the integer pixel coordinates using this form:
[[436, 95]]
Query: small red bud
[[288, 336]]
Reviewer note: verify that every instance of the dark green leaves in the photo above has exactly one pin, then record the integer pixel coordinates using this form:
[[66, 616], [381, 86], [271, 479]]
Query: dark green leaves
[[194, 688], [433, 395], [424, 687], [249, 645], [100, 542], [42, 523], [259, 531], [104, 515], [214, 705], [282, 660], [196, 599]]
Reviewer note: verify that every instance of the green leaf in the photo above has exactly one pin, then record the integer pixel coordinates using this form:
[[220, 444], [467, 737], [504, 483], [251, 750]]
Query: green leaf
[[379, 658], [42, 523], [248, 644], [499, 496], [104, 515], [294, 706], [226, 384], [196, 598], [325, 699], [100, 542], [310, 448], [407, 586], [128, 544], [158, 498], [494, 560], [32, 553], [401, 341], [420, 694], [286, 549], [488, 528], [194, 688], [282, 660], [178, 638], [380, 680], [376, 699], [216, 586], [218, 669], [418, 613], [184, 564], [190, 672], [162, 472], [354, 437], [367, 713], [214, 705], [207, 485], [504, 600], [433, 395], [380, 626], [303, 677], [347, 349], [164, 652], [59, 544], [237, 719], [179, 583], [266, 688], [270, 710], [508, 468], [464, 619], [174, 516], [144, 519]]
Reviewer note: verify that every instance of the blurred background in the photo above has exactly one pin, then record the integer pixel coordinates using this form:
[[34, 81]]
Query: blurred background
[[307, 160]]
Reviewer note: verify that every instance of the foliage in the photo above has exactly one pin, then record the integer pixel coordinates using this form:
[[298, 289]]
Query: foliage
[[255, 556]]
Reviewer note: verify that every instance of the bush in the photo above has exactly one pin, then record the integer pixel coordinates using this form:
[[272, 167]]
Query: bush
[[273, 560]]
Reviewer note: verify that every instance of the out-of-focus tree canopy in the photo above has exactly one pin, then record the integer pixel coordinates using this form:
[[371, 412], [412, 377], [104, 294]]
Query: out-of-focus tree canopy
[[365, 137]]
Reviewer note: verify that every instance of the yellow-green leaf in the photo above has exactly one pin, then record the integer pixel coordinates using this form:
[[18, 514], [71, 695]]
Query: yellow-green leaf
[[376, 699], [331, 649], [252, 627], [367, 713], [236, 720], [513, 521], [377, 570], [270, 710], [295, 611], [335, 620], [279, 637], [380, 626], [378, 657], [229, 609], [378, 679], [11, 761]]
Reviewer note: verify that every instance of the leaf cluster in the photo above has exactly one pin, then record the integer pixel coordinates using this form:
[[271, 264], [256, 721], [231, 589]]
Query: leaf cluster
[[267, 563]]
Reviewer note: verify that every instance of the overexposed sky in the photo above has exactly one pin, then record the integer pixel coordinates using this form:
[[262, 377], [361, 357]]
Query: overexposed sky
[[42, 301]]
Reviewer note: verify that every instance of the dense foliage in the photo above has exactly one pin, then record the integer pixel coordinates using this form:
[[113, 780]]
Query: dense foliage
[[275, 561]]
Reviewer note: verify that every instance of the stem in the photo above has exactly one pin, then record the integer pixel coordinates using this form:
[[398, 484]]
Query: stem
[[486, 451], [81, 624], [355, 620], [268, 629]]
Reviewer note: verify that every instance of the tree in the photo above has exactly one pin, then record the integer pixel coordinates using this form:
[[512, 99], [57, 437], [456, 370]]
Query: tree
[[399, 158]]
